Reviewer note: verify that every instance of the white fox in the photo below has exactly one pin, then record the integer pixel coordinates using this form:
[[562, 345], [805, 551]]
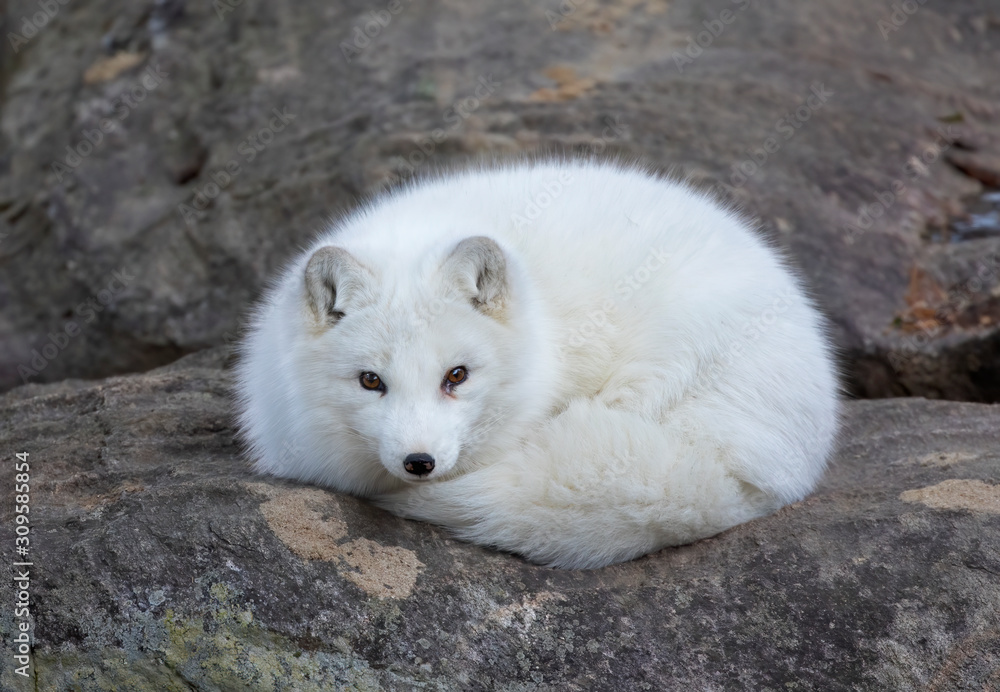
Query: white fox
[[578, 362]]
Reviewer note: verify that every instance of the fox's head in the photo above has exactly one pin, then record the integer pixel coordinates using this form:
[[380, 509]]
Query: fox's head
[[411, 370]]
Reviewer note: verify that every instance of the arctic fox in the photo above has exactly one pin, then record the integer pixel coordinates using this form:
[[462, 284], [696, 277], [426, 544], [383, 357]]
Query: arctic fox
[[579, 362]]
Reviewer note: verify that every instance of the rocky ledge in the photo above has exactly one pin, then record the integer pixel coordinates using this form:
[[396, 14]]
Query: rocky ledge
[[161, 563]]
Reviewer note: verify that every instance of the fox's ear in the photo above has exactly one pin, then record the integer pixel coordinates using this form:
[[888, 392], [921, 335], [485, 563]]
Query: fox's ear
[[478, 268], [334, 278]]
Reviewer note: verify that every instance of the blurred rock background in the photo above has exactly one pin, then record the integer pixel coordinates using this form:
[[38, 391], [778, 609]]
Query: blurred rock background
[[159, 160], [862, 185]]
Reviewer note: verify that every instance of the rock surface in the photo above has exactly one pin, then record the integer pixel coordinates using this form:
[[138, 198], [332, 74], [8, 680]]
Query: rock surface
[[895, 116], [160, 563]]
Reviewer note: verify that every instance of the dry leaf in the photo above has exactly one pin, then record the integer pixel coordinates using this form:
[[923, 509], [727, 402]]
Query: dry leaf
[[923, 289], [568, 85], [107, 69]]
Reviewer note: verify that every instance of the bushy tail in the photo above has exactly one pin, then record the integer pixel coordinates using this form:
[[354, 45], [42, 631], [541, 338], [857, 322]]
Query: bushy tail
[[593, 486]]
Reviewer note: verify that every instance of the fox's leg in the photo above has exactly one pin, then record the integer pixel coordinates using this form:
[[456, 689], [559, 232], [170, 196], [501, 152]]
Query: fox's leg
[[593, 486]]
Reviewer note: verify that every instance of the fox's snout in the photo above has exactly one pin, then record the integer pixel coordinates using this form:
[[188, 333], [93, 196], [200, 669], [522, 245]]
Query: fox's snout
[[415, 446], [419, 464]]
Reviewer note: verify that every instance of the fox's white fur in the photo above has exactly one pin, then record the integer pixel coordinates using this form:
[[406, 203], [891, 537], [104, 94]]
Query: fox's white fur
[[643, 369]]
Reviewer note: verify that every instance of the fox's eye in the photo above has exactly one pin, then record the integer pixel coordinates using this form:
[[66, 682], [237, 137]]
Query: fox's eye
[[370, 380], [457, 376]]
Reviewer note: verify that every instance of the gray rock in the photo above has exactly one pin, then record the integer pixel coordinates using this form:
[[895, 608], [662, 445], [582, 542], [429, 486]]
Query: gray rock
[[161, 563], [912, 316]]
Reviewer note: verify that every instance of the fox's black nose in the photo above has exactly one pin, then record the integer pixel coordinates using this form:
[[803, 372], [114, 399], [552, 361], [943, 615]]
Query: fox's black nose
[[418, 464]]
